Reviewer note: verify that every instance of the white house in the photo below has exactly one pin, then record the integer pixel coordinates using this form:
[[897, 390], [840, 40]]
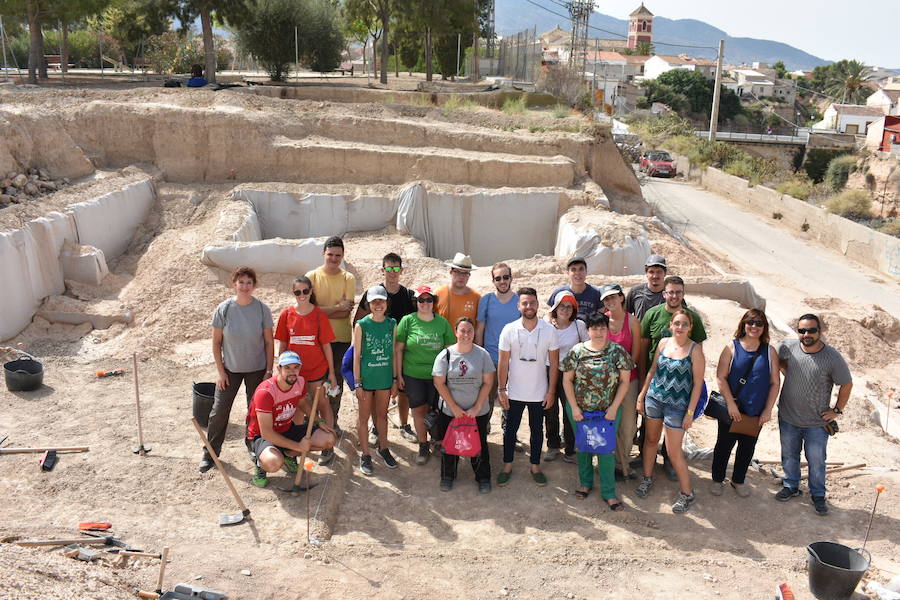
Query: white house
[[849, 118], [753, 83], [887, 101], [657, 65]]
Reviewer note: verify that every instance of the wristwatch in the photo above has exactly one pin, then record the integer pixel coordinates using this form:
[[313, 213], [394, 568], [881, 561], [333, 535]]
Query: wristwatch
[[837, 411]]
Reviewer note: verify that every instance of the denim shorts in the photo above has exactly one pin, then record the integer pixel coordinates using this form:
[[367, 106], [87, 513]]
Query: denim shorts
[[672, 416]]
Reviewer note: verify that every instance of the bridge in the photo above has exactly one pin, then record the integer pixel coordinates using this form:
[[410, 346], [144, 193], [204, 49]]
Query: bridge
[[800, 139]]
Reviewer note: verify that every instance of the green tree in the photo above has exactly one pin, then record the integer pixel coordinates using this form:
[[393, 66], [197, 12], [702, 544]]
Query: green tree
[[323, 38], [847, 81], [684, 90], [130, 23], [644, 49], [227, 12], [780, 69]]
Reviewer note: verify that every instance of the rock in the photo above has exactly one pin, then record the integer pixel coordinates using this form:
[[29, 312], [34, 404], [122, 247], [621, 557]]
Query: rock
[[11, 191], [43, 175], [31, 189], [5, 183], [20, 180], [326, 561], [32, 171], [33, 178], [11, 175], [5, 199], [47, 185], [504, 592], [308, 555], [246, 572], [65, 181]]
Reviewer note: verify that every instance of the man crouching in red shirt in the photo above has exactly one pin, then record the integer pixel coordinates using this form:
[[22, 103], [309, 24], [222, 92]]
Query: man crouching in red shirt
[[277, 421]]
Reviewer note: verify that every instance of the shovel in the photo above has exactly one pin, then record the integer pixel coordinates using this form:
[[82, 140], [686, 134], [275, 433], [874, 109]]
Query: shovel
[[301, 463], [224, 519]]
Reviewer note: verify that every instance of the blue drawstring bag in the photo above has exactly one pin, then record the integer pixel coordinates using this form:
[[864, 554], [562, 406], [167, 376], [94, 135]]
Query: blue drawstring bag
[[701, 403], [595, 433], [347, 368]]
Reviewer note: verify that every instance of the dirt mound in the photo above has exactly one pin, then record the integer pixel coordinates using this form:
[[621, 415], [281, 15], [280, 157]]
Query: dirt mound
[[865, 334]]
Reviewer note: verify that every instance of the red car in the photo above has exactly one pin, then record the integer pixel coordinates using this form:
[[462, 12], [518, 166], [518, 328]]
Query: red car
[[658, 162]]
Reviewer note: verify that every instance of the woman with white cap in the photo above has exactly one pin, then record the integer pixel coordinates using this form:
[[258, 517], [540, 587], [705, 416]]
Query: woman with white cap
[[570, 331], [420, 337], [373, 372]]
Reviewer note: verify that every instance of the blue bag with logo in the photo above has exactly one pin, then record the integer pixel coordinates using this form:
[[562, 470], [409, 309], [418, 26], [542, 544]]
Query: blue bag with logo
[[595, 434]]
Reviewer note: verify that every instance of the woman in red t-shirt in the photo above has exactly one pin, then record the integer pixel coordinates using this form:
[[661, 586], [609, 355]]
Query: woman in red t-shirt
[[305, 329]]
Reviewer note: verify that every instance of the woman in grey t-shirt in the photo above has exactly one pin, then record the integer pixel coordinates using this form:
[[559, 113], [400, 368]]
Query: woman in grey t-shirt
[[243, 348], [463, 375]]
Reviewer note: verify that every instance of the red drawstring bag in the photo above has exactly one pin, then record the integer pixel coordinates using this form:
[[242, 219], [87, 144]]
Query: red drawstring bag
[[462, 437]]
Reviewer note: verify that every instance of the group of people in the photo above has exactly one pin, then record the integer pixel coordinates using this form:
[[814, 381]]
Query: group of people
[[600, 356]]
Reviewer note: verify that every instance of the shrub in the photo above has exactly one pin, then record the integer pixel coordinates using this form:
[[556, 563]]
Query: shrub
[[514, 106], [851, 204], [817, 160], [561, 81], [756, 170], [839, 170], [172, 52], [561, 111], [800, 188], [457, 102], [891, 227]]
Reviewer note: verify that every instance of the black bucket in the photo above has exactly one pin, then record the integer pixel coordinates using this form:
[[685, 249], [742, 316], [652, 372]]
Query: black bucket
[[23, 375], [204, 394], [835, 569]]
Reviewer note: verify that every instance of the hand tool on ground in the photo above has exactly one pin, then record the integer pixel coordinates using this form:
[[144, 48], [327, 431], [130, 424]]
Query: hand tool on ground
[[48, 460], [104, 540], [58, 450], [224, 519], [196, 591], [3, 440], [140, 449], [829, 471], [111, 541], [94, 526], [162, 569], [147, 595], [878, 490], [301, 461], [84, 554], [803, 463], [120, 552], [112, 373]]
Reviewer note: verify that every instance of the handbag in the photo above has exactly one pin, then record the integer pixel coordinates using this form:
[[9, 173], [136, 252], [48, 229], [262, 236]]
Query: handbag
[[595, 434], [720, 410], [746, 426], [462, 437]]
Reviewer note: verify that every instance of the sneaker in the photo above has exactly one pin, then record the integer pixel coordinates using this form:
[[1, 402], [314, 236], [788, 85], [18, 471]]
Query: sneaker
[[446, 485], [326, 457], [683, 503], [484, 487], [388, 458], [206, 463], [820, 505], [670, 471], [569, 458], [717, 488], [408, 434], [643, 489], [741, 489], [786, 494], [260, 479], [424, 453], [290, 464], [551, 454], [503, 477], [365, 465], [373, 436]]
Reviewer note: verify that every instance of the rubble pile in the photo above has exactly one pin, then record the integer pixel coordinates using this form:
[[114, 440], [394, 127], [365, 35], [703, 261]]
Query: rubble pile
[[17, 188]]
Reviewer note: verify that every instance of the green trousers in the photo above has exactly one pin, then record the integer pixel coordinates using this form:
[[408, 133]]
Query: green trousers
[[606, 464]]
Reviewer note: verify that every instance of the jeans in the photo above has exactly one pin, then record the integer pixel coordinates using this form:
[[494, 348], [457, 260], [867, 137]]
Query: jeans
[[535, 423], [606, 464], [338, 349], [746, 445], [551, 417], [481, 464], [813, 441], [221, 409]]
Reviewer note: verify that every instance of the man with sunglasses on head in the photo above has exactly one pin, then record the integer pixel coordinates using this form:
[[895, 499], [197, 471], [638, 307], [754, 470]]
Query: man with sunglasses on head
[[811, 369], [457, 299], [400, 303], [526, 347]]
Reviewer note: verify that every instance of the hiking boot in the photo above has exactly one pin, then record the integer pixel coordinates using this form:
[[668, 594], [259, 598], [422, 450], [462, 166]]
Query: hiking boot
[[551, 454], [643, 489], [388, 458], [206, 463], [326, 457], [365, 465], [260, 479], [717, 488], [786, 494], [290, 464], [683, 503], [484, 487], [446, 484], [408, 434], [569, 458], [820, 505], [424, 453], [373, 436]]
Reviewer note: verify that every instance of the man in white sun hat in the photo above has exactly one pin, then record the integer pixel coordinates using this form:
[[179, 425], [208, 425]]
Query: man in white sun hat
[[457, 299]]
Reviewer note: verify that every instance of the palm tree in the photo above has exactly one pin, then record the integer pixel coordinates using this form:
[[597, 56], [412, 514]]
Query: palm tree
[[847, 81]]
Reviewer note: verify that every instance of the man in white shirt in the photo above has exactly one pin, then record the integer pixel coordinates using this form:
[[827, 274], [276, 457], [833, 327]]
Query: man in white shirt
[[526, 346]]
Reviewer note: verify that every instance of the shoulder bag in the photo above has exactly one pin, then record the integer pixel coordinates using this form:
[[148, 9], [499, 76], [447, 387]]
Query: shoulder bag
[[717, 407]]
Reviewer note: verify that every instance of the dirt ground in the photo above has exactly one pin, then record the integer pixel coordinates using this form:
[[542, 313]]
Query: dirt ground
[[394, 535]]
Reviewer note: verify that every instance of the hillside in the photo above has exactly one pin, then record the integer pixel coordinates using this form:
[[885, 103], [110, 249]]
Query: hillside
[[516, 15]]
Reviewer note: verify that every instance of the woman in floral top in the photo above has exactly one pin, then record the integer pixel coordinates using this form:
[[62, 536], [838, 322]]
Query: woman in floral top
[[595, 377]]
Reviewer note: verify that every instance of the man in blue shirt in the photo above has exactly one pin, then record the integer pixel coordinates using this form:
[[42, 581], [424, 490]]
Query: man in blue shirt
[[587, 295]]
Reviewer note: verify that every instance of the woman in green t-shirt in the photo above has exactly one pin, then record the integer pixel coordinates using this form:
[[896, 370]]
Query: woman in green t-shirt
[[373, 371], [420, 337]]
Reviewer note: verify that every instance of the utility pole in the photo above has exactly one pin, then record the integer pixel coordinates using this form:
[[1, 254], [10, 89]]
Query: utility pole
[[3, 43], [714, 117], [580, 11]]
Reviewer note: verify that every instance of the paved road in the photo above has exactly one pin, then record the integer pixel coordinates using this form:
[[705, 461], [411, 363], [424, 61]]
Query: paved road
[[782, 268]]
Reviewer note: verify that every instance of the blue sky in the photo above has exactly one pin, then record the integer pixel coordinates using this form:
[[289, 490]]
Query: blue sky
[[865, 30]]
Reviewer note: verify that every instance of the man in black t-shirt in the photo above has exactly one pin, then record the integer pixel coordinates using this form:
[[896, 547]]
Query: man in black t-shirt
[[400, 304], [645, 296]]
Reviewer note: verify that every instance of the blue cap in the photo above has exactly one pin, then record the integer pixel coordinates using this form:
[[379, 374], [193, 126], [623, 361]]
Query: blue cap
[[289, 357]]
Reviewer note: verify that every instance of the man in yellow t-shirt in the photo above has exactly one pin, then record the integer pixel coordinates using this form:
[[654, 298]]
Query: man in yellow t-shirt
[[334, 289], [458, 299]]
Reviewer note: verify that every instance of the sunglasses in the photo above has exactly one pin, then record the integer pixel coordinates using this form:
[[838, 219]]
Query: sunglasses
[[458, 272], [502, 277], [392, 269], [303, 292], [424, 300], [755, 323], [802, 330]]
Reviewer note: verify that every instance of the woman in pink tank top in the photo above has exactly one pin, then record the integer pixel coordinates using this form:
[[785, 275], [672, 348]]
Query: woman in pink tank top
[[625, 330]]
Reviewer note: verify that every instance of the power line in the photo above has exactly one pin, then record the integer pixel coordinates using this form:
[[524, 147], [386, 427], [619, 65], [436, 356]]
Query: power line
[[655, 43]]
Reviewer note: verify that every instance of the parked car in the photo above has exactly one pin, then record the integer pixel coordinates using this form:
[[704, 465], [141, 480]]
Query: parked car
[[658, 162]]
